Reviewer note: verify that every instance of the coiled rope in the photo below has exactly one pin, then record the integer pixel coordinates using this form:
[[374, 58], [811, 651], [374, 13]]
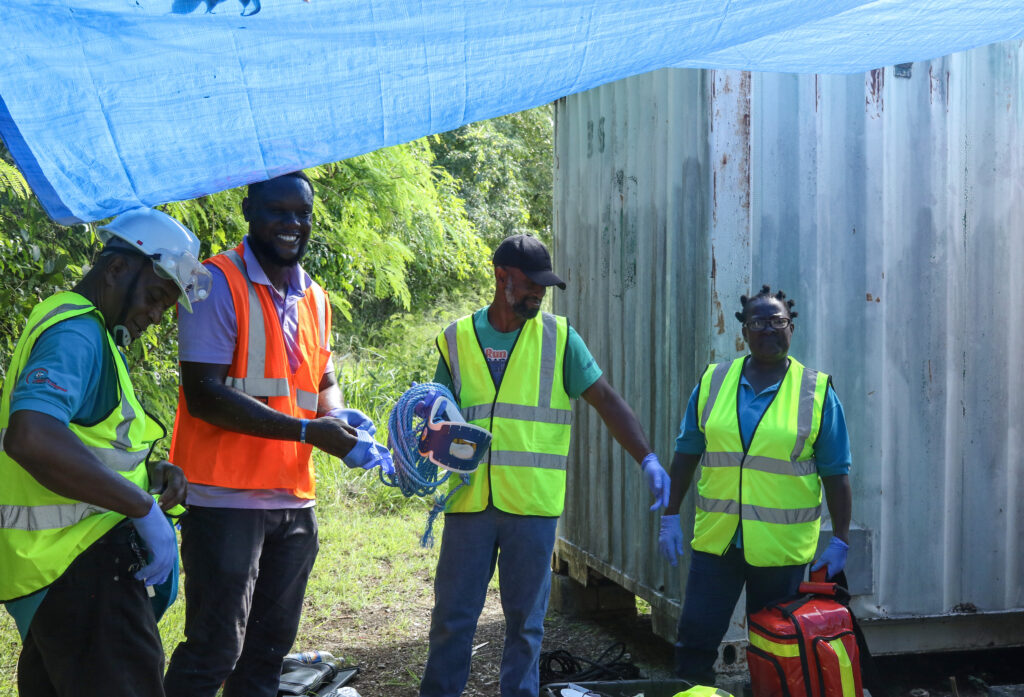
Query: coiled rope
[[416, 475]]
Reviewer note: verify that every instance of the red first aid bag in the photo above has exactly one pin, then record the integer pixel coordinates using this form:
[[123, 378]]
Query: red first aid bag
[[805, 646]]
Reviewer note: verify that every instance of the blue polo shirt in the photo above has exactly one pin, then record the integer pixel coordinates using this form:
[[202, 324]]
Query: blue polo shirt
[[71, 376]]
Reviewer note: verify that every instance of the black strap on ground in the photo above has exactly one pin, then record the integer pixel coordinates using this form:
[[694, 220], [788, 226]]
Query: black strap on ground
[[562, 666], [868, 668]]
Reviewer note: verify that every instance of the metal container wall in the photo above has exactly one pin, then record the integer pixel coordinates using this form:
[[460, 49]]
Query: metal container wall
[[889, 205]]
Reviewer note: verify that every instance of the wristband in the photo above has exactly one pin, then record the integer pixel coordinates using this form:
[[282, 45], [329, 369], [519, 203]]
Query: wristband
[[302, 433]]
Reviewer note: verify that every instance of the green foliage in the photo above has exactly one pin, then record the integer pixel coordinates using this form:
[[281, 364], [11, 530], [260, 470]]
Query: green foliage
[[390, 234], [37, 256], [504, 168], [10, 178]]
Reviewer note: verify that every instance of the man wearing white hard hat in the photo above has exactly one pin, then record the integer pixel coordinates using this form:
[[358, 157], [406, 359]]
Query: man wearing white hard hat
[[83, 541]]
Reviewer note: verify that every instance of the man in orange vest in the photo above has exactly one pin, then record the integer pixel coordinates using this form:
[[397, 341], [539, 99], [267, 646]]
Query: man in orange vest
[[258, 394]]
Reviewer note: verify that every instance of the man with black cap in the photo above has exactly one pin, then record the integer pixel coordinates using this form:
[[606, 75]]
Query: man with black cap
[[515, 372]]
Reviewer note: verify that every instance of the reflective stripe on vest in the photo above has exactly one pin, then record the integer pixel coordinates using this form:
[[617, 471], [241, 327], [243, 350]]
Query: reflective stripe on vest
[[530, 417], [41, 532], [254, 384], [260, 368], [36, 518], [772, 489], [455, 370]]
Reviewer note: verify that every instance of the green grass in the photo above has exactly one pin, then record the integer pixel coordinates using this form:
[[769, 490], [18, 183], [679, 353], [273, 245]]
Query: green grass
[[10, 646]]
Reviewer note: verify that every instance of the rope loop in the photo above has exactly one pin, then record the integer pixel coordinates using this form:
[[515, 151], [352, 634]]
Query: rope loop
[[416, 475]]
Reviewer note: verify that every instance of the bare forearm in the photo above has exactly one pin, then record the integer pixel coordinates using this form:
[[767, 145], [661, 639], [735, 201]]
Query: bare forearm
[[618, 418], [208, 397], [839, 498], [233, 410], [330, 396], [624, 427], [683, 468], [56, 458]]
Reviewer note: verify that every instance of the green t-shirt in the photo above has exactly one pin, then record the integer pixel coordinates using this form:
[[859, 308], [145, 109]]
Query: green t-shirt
[[581, 370]]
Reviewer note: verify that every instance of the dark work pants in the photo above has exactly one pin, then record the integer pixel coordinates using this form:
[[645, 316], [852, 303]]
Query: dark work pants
[[95, 634], [712, 589], [245, 577]]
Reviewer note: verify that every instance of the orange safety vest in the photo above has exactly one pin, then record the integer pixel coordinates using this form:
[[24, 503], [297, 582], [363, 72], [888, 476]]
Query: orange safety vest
[[211, 455]]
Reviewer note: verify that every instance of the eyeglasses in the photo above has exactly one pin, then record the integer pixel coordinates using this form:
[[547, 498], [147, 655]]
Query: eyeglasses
[[759, 325]]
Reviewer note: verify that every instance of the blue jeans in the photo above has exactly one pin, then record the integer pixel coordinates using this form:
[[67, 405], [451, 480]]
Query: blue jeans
[[712, 589], [471, 546]]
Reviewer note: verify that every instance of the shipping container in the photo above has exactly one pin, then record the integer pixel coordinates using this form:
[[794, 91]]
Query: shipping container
[[889, 206]]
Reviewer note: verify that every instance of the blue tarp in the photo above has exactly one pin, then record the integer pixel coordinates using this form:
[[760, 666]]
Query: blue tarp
[[109, 104]]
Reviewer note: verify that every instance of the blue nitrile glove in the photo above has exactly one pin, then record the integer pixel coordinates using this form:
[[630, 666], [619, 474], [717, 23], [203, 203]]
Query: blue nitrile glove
[[354, 418], [422, 407], [382, 457], [834, 556], [368, 453], [657, 480], [670, 539], [157, 533]]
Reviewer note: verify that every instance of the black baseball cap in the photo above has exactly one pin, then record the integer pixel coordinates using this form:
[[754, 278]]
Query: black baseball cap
[[529, 255]]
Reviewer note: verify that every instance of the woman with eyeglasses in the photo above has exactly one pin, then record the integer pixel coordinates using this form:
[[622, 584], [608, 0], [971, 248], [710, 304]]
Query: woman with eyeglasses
[[771, 432]]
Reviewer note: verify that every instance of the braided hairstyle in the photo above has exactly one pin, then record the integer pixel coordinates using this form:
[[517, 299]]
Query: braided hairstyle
[[765, 292]]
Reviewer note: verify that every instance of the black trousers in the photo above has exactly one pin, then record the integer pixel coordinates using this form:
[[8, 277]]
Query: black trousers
[[713, 586], [95, 632], [245, 578]]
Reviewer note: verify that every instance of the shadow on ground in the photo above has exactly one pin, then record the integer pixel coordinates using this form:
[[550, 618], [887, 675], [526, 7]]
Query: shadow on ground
[[392, 669]]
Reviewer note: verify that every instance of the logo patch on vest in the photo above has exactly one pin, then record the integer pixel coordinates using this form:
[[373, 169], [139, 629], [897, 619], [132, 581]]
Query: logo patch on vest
[[497, 361]]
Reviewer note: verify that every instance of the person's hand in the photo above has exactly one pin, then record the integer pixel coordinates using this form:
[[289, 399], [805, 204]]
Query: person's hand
[[157, 533], [834, 558], [333, 436], [354, 418], [657, 480], [169, 481], [670, 539]]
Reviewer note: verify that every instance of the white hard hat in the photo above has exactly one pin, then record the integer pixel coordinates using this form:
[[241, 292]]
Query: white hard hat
[[171, 246]]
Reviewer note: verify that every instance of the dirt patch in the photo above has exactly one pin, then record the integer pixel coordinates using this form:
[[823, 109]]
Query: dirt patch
[[391, 668]]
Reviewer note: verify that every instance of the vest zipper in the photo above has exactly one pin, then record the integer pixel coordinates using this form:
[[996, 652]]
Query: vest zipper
[[746, 446], [494, 402]]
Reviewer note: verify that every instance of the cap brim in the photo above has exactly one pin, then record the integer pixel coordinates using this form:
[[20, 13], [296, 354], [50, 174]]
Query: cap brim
[[545, 278]]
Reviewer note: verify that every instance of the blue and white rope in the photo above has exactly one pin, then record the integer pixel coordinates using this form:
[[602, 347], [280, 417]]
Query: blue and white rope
[[416, 475]]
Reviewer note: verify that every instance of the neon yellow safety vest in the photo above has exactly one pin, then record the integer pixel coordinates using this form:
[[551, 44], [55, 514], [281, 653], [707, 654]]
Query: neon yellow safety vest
[[529, 417], [703, 691], [772, 488], [41, 532]]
